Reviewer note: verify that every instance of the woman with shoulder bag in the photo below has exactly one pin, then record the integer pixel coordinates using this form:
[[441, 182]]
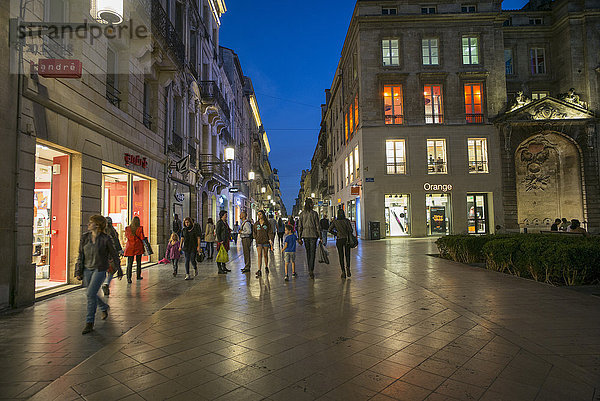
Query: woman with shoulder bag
[[134, 247], [309, 232], [190, 244], [209, 237], [342, 228], [223, 239], [95, 251], [115, 265]]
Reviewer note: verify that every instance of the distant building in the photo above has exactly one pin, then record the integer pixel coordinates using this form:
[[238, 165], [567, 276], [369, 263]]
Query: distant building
[[426, 130]]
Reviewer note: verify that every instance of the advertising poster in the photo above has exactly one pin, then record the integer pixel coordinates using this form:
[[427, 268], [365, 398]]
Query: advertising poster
[[437, 216]]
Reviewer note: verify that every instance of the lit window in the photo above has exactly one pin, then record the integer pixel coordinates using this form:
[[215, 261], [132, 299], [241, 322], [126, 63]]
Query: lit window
[[433, 104], [346, 171], [470, 50], [430, 51], [395, 154], [391, 52], [392, 101], [427, 10], [468, 9], [356, 113], [539, 95], [508, 61], [436, 156], [389, 11], [478, 156], [356, 164], [351, 166], [538, 60], [473, 109]]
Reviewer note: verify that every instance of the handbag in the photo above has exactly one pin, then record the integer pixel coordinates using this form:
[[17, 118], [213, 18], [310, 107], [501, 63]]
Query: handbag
[[200, 256], [222, 256], [352, 240], [147, 248], [323, 254]]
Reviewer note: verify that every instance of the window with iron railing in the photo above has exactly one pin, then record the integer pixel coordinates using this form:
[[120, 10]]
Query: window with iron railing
[[433, 104], [147, 117], [176, 144], [112, 91], [392, 103], [436, 156], [395, 155], [473, 103], [478, 155]]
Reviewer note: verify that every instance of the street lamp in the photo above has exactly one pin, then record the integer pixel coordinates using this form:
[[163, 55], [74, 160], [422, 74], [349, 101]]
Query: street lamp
[[229, 153], [251, 175], [263, 190], [107, 11], [268, 197]]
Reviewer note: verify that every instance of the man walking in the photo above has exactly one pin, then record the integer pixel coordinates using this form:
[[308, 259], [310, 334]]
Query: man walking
[[246, 234], [177, 225], [324, 225]]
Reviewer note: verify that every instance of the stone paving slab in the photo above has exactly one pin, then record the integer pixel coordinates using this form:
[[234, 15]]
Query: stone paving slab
[[406, 326]]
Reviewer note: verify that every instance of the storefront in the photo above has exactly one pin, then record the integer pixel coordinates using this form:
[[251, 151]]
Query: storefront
[[477, 214], [397, 216], [125, 195], [438, 214], [51, 200]]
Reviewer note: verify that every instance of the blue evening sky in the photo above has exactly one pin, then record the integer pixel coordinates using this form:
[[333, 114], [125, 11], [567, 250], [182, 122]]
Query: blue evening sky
[[290, 49]]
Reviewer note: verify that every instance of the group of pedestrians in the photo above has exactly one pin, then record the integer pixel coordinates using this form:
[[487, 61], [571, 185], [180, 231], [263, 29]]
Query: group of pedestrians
[[564, 225]]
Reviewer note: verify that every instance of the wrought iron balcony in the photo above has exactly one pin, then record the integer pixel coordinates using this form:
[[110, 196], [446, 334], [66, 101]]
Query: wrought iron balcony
[[475, 119], [165, 31], [192, 153], [210, 93], [176, 145], [112, 94], [214, 169], [147, 119]]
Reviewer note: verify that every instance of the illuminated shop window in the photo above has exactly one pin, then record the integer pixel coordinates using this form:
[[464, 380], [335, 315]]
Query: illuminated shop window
[[392, 101]]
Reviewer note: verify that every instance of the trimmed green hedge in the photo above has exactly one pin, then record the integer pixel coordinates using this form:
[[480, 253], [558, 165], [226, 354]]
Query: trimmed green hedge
[[553, 259]]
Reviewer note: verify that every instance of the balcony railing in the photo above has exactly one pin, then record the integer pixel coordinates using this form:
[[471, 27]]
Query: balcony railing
[[475, 119], [436, 167], [212, 166], [434, 118], [176, 145], [112, 94], [192, 153], [396, 168], [210, 92], [478, 167], [163, 28], [396, 119]]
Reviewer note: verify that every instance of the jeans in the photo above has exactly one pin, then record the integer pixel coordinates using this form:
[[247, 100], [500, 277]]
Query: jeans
[[210, 250], [138, 262], [190, 256], [343, 249], [175, 265], [246, 246], [280, 237], [324, 236], [311, 250], [93, 279]]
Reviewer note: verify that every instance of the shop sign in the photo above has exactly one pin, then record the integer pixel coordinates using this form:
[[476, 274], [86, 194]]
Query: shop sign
[[437, 187], [58, 68], [233, 189], [369, 179], [179, 197], [135, 160], [355, 190]]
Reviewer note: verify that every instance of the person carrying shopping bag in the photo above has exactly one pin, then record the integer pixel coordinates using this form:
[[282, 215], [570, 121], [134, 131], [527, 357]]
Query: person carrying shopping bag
[[134, 247], [209, 238], [223, 240], [95, 251]]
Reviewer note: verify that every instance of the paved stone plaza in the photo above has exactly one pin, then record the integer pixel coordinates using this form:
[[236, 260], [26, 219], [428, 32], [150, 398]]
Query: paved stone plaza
[[406, 326]]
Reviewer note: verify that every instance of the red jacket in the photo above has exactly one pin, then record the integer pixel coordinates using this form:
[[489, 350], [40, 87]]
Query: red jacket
[[134, 244]]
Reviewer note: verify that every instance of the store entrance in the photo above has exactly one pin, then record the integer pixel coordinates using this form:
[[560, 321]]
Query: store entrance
[[50, 217], [477, 213], [438, 214], [397, 217]]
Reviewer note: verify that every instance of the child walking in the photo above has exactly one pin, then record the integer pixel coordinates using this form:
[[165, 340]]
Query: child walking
[[173, 252], [289, 251]]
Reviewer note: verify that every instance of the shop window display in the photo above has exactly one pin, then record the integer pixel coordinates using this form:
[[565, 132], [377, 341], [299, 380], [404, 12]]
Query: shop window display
[[477, 213], [50, 217], [438, 214], [397, 218]]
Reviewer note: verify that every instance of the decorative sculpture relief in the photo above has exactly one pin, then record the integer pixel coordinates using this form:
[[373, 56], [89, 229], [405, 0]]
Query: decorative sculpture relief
[[546, 112], [534, 154], [573, 98], [520, 101]]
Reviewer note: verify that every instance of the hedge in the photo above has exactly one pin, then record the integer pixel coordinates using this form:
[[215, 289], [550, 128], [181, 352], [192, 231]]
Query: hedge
[[553, 259]]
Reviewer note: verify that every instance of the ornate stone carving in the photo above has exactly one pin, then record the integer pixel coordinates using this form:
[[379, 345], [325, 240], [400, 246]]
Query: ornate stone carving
[[534, 154], [546, 112], [573, 98], [520, 101]]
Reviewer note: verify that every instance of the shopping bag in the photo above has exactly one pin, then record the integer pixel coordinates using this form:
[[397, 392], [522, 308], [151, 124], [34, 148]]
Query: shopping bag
[[147, 248], [352, 241], [222, 256], [323, 254]]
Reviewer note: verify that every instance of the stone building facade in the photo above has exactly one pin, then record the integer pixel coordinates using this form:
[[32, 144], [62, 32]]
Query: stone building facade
[[140, 131], [421, 127]]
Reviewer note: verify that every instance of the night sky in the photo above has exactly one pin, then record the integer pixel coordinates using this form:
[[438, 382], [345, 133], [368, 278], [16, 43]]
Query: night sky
[[290, 49]]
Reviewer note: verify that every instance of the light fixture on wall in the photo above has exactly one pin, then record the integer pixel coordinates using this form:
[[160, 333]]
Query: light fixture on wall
[[251, 175], [263, 190], [107, 11], [229, 153], [268, 197]]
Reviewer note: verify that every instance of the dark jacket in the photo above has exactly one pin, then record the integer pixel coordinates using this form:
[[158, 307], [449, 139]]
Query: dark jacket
[[223, 232], [190, 238], [324, 223], [177, 226], [308, 225], [341, 228], [112, 233], [106, 251]]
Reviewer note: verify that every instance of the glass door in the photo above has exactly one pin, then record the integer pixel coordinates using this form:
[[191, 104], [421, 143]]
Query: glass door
[[397, 218], [438, 214], [477, 213]]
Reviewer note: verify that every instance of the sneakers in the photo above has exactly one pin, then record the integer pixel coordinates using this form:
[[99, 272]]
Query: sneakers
[[104, 314], [105, 290], [286, 278], [89, 327], [245, 270], [222, 272], [294, 274], [258, 273], [188, 277]]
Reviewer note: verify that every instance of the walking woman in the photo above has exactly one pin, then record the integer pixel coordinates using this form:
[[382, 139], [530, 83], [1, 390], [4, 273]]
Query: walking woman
[[134, 247], [280, 231], [114, 236], [95, 251], [342, 228], [209, 237], [223, 238], [309, 232], [190, 244], [264, 236]]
